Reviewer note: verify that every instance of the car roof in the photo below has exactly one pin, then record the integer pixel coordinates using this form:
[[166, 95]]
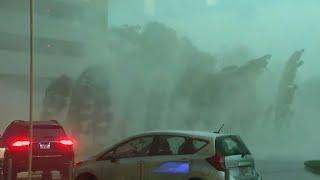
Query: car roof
[[196, 134], [200, 134], [26, 123]]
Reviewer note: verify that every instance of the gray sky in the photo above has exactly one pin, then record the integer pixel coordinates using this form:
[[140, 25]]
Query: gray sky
[[277, 27]]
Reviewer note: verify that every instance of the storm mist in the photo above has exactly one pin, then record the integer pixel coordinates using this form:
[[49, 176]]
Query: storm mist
[[194, 65]]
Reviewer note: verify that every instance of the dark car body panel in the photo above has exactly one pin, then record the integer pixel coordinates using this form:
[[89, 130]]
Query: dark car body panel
[[48, 153]]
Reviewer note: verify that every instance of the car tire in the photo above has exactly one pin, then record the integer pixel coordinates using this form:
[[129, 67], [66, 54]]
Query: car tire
[[64, 174], [14, 172], [14, 175]]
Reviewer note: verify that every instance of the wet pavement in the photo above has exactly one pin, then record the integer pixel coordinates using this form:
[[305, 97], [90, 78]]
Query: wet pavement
[[270, 170], [279, 170]]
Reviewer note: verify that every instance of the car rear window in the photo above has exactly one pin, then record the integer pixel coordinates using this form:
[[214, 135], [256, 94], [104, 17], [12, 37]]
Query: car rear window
[[13, 131], [231, 145], [47, 131], [39, 131]]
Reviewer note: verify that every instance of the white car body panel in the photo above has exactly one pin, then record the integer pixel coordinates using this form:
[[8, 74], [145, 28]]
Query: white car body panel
[[149, 167]]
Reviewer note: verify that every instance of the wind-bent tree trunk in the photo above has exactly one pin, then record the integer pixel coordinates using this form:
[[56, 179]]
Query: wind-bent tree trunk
[[286, 90]]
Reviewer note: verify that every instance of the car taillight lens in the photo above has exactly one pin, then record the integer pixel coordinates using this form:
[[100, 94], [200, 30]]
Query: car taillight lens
[[217, 161], [66, 142], [20, 143]]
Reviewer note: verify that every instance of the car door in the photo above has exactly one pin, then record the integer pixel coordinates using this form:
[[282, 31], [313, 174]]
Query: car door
[[167, 159], [237, 158], [124, 161]]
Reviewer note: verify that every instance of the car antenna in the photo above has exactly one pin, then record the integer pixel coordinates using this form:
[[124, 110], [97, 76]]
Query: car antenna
[[219, 129]]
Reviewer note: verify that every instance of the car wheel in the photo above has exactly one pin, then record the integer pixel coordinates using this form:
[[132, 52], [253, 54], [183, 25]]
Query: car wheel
[[65, 170], [14, 175], [64, 174], [14, 172]]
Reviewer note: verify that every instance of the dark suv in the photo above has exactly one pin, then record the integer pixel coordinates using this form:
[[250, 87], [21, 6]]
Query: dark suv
[[52, 149]]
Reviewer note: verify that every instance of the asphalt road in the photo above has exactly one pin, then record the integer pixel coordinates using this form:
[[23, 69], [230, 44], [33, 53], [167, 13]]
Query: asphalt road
[[280, 170]]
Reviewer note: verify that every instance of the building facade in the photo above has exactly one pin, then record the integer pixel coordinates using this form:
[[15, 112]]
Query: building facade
[[66, 34]]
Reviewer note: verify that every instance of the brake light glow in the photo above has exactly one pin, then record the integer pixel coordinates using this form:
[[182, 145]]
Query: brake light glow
[[66, 142], [217, 161], [21, 143]]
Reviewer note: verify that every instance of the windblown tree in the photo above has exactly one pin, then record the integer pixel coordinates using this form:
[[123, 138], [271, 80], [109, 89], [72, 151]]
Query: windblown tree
[[225, 96], [157, 77], [284, 110], [154, 56], [139, 56], [203, 94], [57, 97], [89, 110]]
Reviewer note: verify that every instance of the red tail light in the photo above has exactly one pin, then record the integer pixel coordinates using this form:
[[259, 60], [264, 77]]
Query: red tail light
[[217, 161], [21, 143], [66, 142]]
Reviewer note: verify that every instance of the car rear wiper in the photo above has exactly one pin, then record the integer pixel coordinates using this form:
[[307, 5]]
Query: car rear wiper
[[243, 155]]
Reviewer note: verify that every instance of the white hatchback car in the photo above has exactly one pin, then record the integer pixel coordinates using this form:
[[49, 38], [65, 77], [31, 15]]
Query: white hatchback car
[[172, 155]]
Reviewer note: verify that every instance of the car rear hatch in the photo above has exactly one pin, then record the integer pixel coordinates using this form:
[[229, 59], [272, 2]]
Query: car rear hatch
[[50, 141], [236, 157]]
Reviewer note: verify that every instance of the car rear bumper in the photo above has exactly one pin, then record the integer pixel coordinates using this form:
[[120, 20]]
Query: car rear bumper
[[220, 176], [50, 162]]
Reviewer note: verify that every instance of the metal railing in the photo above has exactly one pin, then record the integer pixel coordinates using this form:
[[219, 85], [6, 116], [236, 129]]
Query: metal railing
[[30, 88]]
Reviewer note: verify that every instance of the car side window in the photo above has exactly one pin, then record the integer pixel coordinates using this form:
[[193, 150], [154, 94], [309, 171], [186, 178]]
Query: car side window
[[191, 146], [176, 145], [160, 146], [137, 147], [199, 144], [107, 155]]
